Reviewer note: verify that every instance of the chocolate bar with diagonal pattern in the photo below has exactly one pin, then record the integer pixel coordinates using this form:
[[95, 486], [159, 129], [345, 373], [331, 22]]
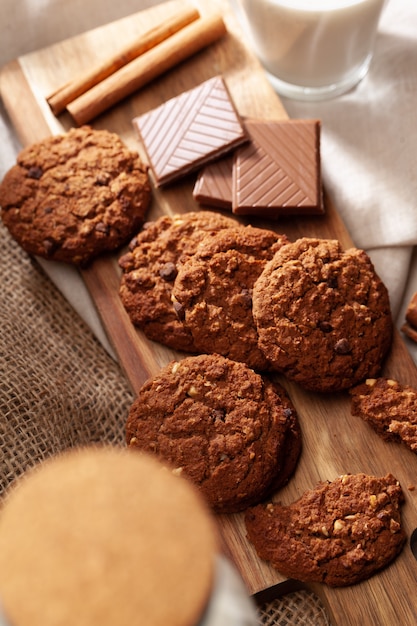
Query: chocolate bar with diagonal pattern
[[213, 186], [190, 130], [278, 172]]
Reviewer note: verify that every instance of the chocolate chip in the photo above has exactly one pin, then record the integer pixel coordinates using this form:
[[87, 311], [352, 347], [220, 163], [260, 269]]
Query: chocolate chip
[[342, 346], [179, 310], [325, 327], [101, 227], [35, 172], [124, 202], [219, 415], [246, 297], [333, 282], [49, 246], [168, 272]]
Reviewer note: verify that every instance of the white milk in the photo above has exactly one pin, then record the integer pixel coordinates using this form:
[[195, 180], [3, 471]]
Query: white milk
[[312, 47]]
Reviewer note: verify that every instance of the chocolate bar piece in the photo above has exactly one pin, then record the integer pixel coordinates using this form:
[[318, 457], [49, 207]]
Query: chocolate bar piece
[[190, 130], [214, 184], [278, 172]]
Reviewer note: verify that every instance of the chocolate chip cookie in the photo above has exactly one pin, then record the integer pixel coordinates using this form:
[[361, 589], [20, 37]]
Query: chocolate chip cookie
[[339, 533], [213, 292], [150, 268], [74, 196], [234, 433], [323, 315], [389, 407]]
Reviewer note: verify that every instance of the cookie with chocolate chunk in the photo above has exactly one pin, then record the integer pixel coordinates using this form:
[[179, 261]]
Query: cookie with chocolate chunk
[[74, 196], [323, 314], [234, 433], [338, 533], [149, 269], [389, 407], [213, 290]]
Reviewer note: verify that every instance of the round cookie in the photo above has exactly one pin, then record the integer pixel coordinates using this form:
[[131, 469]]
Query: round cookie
[[339, 533], [92, 536], [150, 267], [323, 315], [213, 292], [74, 196], [234, 433], [389, 407]]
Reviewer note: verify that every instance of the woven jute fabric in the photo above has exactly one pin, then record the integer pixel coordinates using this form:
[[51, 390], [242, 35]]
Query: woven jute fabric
[[58, 386], [299, 608], [59, 389]]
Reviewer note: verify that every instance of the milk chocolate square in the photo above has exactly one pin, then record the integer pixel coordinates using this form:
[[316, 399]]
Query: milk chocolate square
[[213, 186], [190, 130], [278, 172]]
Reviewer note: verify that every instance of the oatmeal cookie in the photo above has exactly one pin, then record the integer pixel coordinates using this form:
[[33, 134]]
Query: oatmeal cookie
[[149, 269], [213, 292], [323, 315], [389, 407], [74, 196], [339, 533], [234, 433]]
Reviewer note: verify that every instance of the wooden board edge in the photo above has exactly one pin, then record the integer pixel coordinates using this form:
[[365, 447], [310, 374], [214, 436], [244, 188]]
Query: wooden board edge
[[20, 102]]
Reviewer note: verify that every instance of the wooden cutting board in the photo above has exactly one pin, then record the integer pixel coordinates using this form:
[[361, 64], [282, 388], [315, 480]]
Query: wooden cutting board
[[334, 441]]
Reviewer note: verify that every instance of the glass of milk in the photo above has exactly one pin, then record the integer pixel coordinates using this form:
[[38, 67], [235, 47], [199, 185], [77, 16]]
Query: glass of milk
[[312, 49]]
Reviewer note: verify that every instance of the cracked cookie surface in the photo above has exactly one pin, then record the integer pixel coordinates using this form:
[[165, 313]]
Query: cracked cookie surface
[[339, 533], [323, 314], [149, 269], [74, 196], [234, 433], [213, 289]]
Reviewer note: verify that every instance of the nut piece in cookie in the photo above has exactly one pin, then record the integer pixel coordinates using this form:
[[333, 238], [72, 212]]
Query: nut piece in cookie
[[234, 433], [149, 269], [214, 290], [74, 196], [323, 315], [389, 407], [339, 533]]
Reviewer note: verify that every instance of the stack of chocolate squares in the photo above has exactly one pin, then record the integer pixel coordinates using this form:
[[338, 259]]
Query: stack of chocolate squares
[[267, 168]]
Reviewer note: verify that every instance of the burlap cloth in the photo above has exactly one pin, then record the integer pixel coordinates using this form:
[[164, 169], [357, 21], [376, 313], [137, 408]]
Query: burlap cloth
[[60, 389]]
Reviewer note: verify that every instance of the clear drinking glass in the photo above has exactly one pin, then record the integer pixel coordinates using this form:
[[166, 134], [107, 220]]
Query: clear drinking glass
[[312, 49]]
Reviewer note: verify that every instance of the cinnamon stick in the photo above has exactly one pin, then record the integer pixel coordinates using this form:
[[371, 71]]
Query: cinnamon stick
[[181, 45], [75, 88]]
